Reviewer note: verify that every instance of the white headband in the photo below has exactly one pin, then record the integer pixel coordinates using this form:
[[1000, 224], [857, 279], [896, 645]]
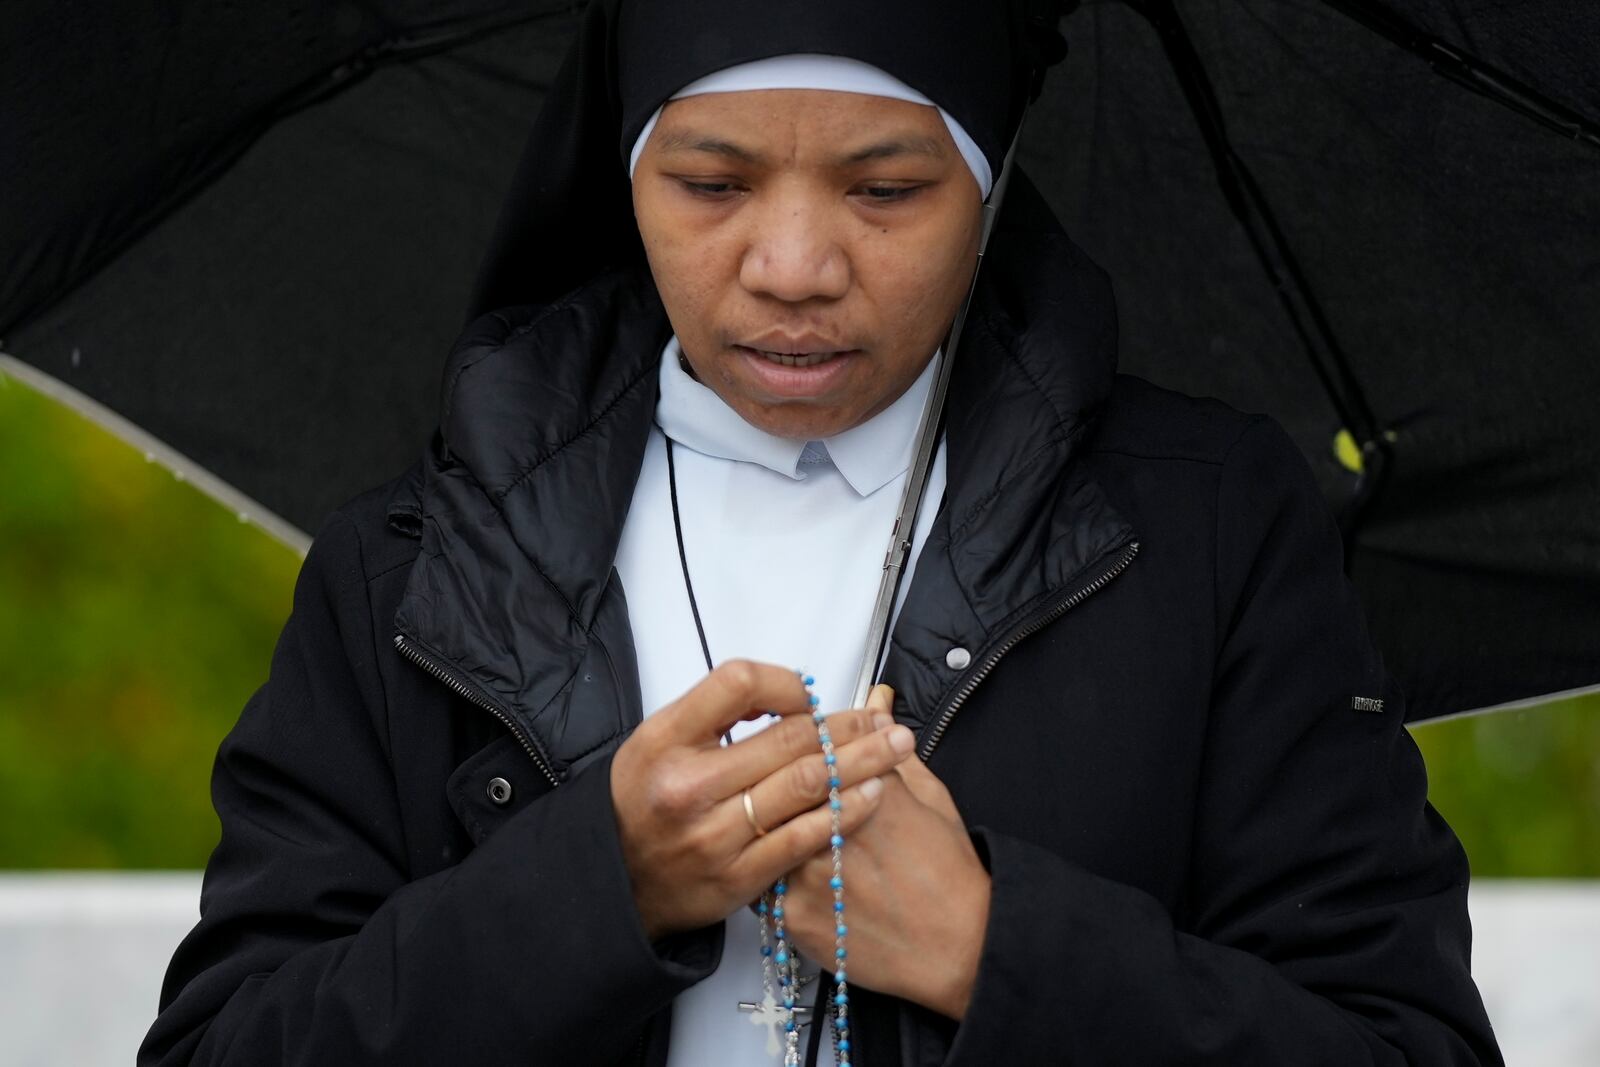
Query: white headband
[[813, 71]]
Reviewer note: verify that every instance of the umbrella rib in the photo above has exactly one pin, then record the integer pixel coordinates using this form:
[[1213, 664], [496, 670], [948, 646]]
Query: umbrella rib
[[1471, 72], [155, 450], [219, 157], [1250, 206]]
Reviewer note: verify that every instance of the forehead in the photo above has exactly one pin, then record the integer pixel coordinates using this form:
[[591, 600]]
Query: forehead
[[854, 126]]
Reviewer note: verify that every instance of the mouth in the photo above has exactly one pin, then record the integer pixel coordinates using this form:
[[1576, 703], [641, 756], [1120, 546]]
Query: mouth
[[797, 374], [796, 359]]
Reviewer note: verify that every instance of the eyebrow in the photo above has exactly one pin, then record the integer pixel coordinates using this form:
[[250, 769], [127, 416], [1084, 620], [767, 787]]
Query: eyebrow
[[691, 141], [916, 146]]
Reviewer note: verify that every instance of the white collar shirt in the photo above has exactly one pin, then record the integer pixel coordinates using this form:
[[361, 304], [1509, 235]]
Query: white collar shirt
[[784, 541]]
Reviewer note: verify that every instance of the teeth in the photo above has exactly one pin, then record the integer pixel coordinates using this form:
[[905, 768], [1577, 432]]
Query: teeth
[[810, 359]]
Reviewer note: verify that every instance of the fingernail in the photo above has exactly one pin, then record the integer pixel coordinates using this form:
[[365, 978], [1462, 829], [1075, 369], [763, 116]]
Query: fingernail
[[900, 739], [871, 788], [880, 719]]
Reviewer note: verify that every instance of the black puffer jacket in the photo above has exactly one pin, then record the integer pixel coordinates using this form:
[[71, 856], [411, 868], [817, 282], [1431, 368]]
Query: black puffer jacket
[[1202, 852]]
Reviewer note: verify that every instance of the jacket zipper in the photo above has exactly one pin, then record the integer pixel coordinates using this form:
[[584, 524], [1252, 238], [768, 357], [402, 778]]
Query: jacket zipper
[[1034, 625], [475, 696], [472, 695]]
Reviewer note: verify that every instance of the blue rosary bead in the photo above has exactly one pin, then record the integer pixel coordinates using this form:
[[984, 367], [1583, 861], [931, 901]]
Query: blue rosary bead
[[781, 962]]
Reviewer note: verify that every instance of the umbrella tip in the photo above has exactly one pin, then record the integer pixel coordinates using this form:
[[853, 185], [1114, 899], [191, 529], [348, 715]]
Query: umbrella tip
[[1347, 452]]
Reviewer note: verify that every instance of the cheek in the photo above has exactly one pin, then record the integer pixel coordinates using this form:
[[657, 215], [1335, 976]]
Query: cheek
[[916, 284], [935, 245], [688, 264]]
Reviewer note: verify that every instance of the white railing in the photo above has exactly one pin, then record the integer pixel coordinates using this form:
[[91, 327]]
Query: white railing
[[82, 955]]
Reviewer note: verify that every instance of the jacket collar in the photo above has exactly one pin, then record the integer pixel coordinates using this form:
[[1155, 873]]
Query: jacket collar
[[545, 417], [1023, 525]]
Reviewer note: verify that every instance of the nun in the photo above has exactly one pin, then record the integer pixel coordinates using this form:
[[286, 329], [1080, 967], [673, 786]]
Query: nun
[[798, 643]]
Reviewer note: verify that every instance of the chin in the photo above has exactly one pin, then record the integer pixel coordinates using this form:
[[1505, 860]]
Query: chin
[[800, 425]]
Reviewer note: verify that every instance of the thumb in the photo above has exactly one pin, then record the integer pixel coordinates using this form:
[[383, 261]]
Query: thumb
[[923, 784]]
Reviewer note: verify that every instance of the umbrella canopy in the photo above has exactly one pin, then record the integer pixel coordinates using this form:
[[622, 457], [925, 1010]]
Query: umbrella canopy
[[252, 230], [1450, 246], [252, 233]]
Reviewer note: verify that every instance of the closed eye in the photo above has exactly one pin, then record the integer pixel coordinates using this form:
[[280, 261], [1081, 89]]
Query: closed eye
[[891, 194], [709, 190]]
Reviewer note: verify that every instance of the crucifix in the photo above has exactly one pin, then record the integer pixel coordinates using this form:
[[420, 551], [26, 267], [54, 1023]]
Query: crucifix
[[767, 1013]]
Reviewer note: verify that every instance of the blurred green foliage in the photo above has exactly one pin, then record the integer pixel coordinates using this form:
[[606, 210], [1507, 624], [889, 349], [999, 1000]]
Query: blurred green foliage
[[137, 616], [1521, 788]]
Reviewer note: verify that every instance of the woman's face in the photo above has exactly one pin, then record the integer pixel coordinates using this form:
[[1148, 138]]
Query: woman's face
[[811, 247]]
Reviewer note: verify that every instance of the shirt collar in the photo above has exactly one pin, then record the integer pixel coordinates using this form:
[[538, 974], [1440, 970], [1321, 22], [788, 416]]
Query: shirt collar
[[869, 456]]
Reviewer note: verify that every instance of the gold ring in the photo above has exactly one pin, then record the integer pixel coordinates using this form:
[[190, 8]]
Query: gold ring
[[750, 815]]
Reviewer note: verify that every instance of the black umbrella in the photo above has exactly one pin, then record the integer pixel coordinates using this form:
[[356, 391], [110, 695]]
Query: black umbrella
[[1378, 222]]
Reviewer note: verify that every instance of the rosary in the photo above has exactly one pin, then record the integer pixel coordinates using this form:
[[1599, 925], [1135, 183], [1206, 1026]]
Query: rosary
[[778, 956], [780, 962]]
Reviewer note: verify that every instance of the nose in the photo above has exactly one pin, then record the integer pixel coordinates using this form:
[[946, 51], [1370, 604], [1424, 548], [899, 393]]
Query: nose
[[793, 254]]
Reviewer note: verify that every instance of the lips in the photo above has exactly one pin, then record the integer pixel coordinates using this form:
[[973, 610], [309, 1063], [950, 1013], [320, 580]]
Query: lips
[[797, 368], [799, 350], [799, 359]]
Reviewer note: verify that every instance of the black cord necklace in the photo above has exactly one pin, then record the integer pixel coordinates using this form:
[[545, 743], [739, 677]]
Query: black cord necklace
[[683, 555]]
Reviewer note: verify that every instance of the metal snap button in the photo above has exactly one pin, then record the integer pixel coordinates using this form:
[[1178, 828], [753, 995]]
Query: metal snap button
[[958, 659], [499, 790]]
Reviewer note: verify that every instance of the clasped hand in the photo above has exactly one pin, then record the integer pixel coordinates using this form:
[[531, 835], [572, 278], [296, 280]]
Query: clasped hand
[[917, 894]]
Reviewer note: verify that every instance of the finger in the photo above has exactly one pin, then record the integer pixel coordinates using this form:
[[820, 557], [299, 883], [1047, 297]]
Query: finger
[[767, 858], [922, 783], [754, 758], [734, 691], [926, 789], [804, 784]]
